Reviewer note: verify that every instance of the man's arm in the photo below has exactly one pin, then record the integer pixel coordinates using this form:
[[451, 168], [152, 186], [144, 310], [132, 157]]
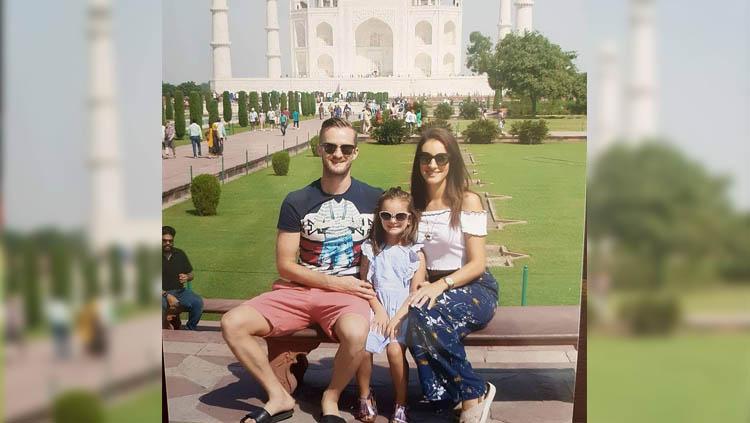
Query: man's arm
[[287, 246]]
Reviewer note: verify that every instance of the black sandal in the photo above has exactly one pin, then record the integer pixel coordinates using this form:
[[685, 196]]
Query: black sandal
[[262, 416]]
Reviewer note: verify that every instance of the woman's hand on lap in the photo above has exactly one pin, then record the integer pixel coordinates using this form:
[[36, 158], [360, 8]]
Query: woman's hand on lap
[[380, 323], [427, 294]]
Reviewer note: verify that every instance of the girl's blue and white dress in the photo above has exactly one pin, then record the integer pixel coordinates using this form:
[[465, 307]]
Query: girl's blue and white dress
[[390, 273]]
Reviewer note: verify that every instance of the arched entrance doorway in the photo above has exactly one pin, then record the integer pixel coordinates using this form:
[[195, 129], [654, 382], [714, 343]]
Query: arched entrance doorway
[[374, 48]]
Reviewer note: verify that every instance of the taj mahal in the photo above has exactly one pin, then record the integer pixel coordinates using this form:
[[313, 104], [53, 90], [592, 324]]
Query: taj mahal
[[407, 47]]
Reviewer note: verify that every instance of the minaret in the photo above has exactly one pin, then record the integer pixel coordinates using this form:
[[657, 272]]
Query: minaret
[[641, 92], [106, 180], [606, 98], [222, 61], [273, 51], [524, 22], [504, 26]]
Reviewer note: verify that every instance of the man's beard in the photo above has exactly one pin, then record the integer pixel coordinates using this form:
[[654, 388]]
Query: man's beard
[[330, 170]]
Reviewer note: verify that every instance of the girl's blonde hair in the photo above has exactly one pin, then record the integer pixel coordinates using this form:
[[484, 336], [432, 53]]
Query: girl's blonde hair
[[409, 236]]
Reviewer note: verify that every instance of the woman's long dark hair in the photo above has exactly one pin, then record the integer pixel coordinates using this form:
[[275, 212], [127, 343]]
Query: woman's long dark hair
[[457, 180], [377, 234]]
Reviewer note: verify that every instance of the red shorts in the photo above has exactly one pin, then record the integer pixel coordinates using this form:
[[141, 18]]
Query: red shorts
[[289, 308]]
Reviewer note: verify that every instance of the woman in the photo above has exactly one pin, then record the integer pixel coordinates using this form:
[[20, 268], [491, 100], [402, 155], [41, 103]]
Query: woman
[[461, 294]]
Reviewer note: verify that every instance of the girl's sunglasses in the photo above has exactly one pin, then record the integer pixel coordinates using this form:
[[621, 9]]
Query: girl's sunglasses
[[400, 217], [346, 149], [426, 158]]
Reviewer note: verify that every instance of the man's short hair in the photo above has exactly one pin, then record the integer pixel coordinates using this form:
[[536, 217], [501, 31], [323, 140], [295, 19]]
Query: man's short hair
[[336, 122], [168, 230]]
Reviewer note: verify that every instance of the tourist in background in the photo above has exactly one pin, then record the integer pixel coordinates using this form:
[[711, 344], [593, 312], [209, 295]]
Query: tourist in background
[[283, 122], [253, 118], [176, 272], [366, 121], [262, 120], [271, 119], [194, 130], [295, 119], [169, 135]]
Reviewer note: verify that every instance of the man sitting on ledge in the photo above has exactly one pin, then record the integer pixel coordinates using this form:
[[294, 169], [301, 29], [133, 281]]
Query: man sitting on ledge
[[176, 271], [324, 224]]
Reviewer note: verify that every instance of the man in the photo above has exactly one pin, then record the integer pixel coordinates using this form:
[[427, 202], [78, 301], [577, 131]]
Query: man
[[411, 121], [295, 119], [366, 125], [253, 118], [194, 130], [283, 122], [221, 133], [176, 271], [325, 224]]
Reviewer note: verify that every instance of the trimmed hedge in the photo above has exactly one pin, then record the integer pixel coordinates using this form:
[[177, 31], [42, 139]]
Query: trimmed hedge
[[529, 131], [651, 314], [469, 109], [280, 163], [314, 141], [481, 132], [226, 106], [242, 109], [78, 406], [391, 132], [444, 111], [179, 115], [206, 192]]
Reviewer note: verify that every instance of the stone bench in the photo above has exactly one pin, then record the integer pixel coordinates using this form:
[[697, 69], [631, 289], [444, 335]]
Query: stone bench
[[511, 326]]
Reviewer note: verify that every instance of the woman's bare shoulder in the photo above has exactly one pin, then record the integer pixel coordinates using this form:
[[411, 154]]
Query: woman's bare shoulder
[[471, 202]]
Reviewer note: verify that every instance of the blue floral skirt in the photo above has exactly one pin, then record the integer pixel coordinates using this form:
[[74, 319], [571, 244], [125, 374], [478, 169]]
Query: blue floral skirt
[[435, 339]]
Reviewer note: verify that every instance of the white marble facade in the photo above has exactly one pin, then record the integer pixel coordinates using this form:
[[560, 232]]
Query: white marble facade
[[362, 38]]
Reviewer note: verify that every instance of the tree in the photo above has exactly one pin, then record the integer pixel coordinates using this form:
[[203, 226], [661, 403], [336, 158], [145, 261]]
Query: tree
[[189, 87], [213, 111], [443, 111], [252, 101], [227, 106], [167, 89], [196, 107], [242, 109], [283, 101], [116, 271], [169, 113], [291, 99], [527, 65], [655, 204], [266, 104], [274, 99], [179, 115]]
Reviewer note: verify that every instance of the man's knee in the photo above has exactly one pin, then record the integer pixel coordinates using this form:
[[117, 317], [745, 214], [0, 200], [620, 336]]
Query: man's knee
[[243, 320]]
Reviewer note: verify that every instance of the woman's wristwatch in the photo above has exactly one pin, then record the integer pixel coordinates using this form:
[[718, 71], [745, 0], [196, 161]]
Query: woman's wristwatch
[[449, 281]]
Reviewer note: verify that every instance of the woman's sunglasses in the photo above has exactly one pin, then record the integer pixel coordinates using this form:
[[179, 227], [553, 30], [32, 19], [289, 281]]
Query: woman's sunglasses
[[400, 217], [346, 149], [426, 158]]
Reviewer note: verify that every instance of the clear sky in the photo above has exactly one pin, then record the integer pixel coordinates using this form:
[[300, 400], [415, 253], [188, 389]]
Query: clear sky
[[45, 131]]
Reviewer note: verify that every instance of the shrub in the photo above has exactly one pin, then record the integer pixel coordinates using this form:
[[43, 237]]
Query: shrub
[[116, 270], [274, 99], [283, 100], [169, 112], [78, 406], [651, 314], [314, 141], [226, 106], [213, 111], [265, 104], [179, 115], [469, 109], [196, 107], [280, 163], [392, 131], [242, 109], [481, 132], [252, 101], [437, 123], [444, 111], [144, 275], [357, 126], [205, 191], [529, 131]]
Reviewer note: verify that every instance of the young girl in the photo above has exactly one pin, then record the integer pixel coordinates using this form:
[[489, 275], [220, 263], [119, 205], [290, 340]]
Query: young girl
[[394, 264]]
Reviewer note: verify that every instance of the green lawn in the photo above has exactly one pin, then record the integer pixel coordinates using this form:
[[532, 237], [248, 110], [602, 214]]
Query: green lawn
[[143, 406], [233, 253], [685, 378], [556, 123]]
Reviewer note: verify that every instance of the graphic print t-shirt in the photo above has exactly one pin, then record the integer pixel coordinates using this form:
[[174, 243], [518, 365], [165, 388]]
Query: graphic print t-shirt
[[332, 227]]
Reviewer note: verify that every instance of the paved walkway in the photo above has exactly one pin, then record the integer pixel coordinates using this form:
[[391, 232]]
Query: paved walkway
[[33, 376], [176, 172], [205, 383]]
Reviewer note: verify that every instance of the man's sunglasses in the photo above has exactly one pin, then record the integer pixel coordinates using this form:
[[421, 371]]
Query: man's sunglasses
[[426, 158], [386, 216], [346, 149]]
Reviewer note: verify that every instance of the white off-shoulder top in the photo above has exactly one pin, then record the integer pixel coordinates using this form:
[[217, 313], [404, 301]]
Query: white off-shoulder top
[[444, 247]]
